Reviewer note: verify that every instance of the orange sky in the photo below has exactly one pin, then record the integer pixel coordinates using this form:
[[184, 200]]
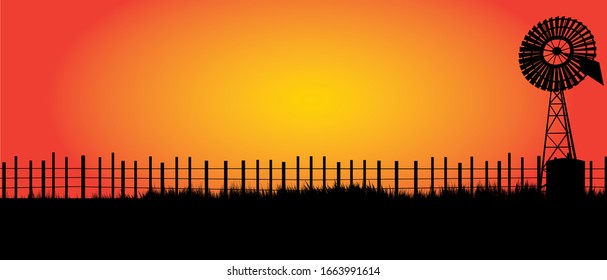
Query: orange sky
[[246, 80]]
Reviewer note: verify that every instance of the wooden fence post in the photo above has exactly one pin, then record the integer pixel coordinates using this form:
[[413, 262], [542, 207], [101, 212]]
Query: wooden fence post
[[225, 177], [52, 175], [351, 173], [284, 176], [499, 177], [66, 178], [539, 172], [16, 173], [297, 173], [379, 175], [416, 178], [590, 177], [161, 178], [82, 177], [135, 194], [486, 175], [99, 177], [270, 177], [460, 186], [112, 177], [311, 172], [3, 180], [396, 178], [31, 167], [445, 173], [472, 175], [432, 175], [189, 175], [509, 172], [122, 179], [324, 173], [150, 177], [176, 175], [243, 178], [257, 176], [43, 179], [338, 173], [522, 171], [206, 178], [364, 173]]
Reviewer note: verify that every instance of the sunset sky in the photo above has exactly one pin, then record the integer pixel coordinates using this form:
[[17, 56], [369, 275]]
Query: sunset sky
[[245, 80]]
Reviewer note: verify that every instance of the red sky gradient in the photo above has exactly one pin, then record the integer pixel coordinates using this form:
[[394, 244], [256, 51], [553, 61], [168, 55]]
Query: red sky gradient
[[246, 80]]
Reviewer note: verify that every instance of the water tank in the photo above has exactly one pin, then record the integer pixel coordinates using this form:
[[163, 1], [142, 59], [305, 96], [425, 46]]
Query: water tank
[[565, 178]]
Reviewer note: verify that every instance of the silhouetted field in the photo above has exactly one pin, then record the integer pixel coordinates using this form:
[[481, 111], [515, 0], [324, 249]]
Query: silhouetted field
[[337, 223]]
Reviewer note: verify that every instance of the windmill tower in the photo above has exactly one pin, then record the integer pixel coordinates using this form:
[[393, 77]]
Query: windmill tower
[[556, 55]]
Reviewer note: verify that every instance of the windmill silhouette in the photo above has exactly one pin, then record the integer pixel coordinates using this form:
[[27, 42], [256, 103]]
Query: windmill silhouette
[[556, 55]]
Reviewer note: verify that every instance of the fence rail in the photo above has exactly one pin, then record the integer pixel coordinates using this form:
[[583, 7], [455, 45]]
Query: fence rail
[[44, 180]]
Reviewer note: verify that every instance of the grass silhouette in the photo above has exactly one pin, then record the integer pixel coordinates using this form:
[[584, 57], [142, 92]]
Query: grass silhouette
[[337, 222]]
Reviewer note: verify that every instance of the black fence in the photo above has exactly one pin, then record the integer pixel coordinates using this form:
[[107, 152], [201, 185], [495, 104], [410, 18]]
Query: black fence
[[67, 179]]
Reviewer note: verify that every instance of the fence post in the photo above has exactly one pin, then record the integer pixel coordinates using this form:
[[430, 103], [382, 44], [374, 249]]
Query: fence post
[[284, 176], [539, 172], [509, 172], [16, 172], [206, 178], [122, 179], [338, 172], [379, 175], [445, 173], [31, 194], [270, 177], [311, 172], [99, 177], [460, 186], [242, 180], [396, 178], [590, 177], [257, 176], [472, 175], [522, 171], [486, 175], [324, 173], [415, 178], [82, 177], [3, 180], [43, 179], [161, 178], [499, 177], [135, 179], [364, 173], [189, 175], [351, 173], [66, 178], [297, 173], [176, 175], [432, 175], [52, 174], [150, 178], [225, 177], [112, 177]]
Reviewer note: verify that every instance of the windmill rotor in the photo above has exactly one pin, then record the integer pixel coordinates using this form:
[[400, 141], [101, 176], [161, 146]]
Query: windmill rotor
[[558, 53]]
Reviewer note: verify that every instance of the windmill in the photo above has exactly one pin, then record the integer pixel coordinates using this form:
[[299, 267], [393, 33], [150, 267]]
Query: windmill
[[556, 55]]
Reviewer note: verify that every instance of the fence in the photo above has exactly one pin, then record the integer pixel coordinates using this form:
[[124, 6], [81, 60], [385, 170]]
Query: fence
[[69, 181]]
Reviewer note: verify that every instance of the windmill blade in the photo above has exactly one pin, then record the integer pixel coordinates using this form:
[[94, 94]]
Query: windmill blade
[[591, 68]]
